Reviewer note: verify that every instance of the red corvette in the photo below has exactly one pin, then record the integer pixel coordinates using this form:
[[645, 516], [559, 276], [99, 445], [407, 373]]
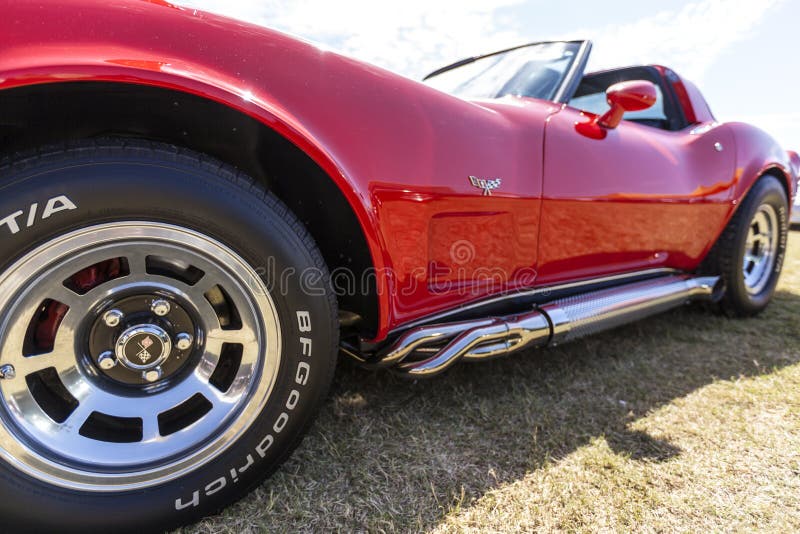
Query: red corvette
[[198, 214]]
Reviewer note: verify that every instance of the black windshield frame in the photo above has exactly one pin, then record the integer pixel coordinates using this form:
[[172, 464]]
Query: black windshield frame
[[570, 81]]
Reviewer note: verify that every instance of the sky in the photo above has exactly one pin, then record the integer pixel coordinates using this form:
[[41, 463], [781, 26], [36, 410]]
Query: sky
[[741, 53]]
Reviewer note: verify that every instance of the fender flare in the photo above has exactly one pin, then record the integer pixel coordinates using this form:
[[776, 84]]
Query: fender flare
[[757, 154], [212, 87]]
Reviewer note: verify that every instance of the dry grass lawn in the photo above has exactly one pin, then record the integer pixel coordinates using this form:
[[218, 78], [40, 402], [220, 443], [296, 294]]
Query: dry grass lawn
[[687, 422]]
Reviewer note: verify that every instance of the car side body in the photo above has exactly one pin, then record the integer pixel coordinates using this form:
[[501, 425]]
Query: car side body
[[401, 153], [199, 216]]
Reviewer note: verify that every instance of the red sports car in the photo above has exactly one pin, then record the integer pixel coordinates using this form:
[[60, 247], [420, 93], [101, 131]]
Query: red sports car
[[198, 215]]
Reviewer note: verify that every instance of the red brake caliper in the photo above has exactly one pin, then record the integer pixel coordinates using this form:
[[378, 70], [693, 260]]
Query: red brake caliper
[[53, 312]]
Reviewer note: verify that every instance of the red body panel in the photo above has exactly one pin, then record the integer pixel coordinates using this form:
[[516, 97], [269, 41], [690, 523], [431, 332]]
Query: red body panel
[[639, 198], [402, 152], [695, 108]]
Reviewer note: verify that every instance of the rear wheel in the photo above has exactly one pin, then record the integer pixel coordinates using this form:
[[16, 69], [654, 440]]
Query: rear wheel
[[156, 362], [749, 255]]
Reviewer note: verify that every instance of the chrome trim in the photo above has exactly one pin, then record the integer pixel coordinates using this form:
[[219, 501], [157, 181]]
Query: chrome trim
[[761, 248], [112, 318], [559, 321], [152, 375], [184, 341], [56, 453], [417, 337], [703, 128], [583, 315], [543, 291], [500, 337], [7, 372], [149, 360], [160, 307]]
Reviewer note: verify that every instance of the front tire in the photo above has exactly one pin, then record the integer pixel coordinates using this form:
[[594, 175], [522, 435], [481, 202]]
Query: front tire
[[750, 252], [163, 345]]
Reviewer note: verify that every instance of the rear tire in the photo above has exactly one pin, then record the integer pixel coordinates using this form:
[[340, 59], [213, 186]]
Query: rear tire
[[116, 256], [750, 252]]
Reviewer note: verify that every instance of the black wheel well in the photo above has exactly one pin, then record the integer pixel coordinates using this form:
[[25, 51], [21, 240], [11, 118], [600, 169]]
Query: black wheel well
[[39, 115], [775, 172]]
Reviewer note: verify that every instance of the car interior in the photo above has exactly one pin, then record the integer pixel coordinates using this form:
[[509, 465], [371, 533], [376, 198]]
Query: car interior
[[665, 114], [534, 81]]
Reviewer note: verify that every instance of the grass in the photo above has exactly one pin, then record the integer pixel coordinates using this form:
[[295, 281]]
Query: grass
[[686, 422]]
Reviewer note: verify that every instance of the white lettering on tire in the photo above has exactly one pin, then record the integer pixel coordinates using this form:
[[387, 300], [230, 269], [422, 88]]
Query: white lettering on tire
[[53, 206], [304, 321], [179, 504], [301, 379]]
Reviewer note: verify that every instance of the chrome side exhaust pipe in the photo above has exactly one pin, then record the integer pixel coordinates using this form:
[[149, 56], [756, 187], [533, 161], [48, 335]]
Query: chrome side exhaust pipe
[[503, 336], [443, 345], [583, 315]]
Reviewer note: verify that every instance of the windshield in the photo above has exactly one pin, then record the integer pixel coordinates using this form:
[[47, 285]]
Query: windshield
[[535, 71]]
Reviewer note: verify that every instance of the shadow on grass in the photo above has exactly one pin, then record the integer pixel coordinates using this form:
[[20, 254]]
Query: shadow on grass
[[393, 455]]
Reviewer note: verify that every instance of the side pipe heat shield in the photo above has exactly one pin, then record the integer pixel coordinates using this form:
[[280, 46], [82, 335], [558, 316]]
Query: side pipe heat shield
[[429, 350]]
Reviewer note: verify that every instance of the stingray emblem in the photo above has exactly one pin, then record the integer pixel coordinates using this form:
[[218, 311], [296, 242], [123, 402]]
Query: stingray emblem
[[144, 354], [487, 184]]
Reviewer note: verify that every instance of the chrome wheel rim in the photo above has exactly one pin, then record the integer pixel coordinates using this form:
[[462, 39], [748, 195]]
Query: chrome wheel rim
[[760, 249], [161, 441]]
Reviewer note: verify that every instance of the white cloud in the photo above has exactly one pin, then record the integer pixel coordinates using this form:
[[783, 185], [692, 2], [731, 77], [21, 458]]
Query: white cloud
[[689, 39], [416, 36], [411, 37]]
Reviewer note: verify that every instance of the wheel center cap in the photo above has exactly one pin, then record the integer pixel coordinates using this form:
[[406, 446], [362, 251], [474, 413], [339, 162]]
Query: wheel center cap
[[143, 347]]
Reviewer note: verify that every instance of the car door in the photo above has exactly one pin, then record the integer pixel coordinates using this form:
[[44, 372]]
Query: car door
[[643, 197]]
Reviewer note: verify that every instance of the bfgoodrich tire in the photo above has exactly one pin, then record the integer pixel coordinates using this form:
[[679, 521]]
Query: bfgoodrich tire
[[750, 252], [167, 335]]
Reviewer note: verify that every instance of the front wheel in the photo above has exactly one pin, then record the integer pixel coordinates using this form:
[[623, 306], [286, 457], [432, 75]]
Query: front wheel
[[157, 359], [749, 255]]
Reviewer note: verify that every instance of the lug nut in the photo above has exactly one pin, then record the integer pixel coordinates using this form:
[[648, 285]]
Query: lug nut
[[183, 341], [7, 372], [151, 375], [107, 360], [160, 307], [112, 318]]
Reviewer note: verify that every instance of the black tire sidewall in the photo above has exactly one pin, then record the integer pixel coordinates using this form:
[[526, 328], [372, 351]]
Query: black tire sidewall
[[766, 191], [115, 183]]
